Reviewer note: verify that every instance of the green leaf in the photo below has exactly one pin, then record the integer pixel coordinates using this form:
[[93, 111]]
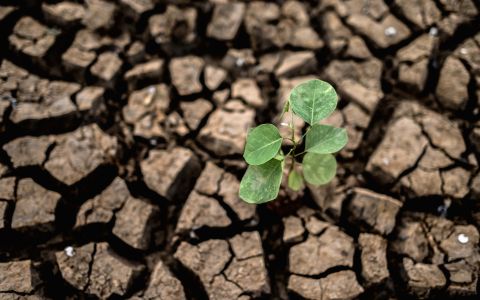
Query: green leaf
[[319, 168], [295, 181], [324, 139], [261, 183], [313, 100], [263, 143]]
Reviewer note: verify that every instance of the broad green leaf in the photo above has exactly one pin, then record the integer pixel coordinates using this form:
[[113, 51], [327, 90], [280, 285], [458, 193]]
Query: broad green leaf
[[323, 139], [319, 168], [313, 100], [295, 181], [263, 143], [261, 183]]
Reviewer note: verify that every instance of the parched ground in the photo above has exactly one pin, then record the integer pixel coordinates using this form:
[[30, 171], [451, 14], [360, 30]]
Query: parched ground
[[122, 125]]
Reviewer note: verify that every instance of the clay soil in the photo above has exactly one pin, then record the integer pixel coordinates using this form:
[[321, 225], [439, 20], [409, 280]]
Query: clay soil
[[122, 127]]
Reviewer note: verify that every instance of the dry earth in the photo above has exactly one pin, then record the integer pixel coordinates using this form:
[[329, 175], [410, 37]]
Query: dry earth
[[122, 125]]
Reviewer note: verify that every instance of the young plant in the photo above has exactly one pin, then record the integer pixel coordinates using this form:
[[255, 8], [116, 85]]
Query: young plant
[[312, 101]]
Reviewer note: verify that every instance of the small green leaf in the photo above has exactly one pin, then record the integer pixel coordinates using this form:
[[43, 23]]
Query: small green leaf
[[313, 100], [261, 183], [263, 143], [324, 139], [286, 107], [319, 168], [295, 181]]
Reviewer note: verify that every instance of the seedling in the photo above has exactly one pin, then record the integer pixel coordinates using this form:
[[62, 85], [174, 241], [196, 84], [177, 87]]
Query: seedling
[[312, 101]]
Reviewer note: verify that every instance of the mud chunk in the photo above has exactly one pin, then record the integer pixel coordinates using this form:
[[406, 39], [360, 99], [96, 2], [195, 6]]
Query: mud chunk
[[146, 111], [206, 259], [315, 226], [463, 279], [423, 182], [248, 90], [214, 76], [293, 229], [7, 188], [79, 153], [221, 288], [28, 151], [334, 246], [296, 63], [194, 112], [185, 73], [75, 266], [226, 130], [469, 51], [226, 19], [258, 17], [90, 97], [246, 245], [99, 14], [170, 173], [453, 94], [63, 13], [200, 211], [373, 258], [209, 180], [101, 208], [135, 52], [163, 285], [399, 150], [411, 240], [135, 8], [107, 68], [466, 7], [455, 182], [422, 13], [5, 11], [32, 38], [374, 211], [133, 223], [35, 206], [77, 61], [151, 70], [336, 34], [461, 243], [421, 278], [250, 274], [384, 33], [357, 48], [340, 285], [355, 120], [18, 277], [308, 288], [110, 274]]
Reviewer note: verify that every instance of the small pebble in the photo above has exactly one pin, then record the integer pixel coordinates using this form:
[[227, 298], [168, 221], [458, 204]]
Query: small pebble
[[390, 31], [69, 251], [433, 31], [462, 238], [463, 51], [386, 161], [240, 62]]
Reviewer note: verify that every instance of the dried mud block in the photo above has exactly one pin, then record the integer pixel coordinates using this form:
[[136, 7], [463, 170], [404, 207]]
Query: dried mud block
[[358, 81], [259, 17], [151, 70], [469, 51], [453, 94], [34, 207], [382, 33], [133, 222], [422, 279], [357, 49], [77, 61], [306, 287], [195, 112], [63, 13], [201, 211], [99, 14], [375, 212], [7, 188], [373, 258], [18, 277], [146, 111], [28, 151], [185, 74], [461, 243], [226, 129], [250, 275], [226, 20], [163, 285], [337, 34], [6, 11], [107, 68], [340, 285], [246, 245], [315, 226], [293, 229], [32, 38], [455, 182], [175, 26], [135, 8], [423, 13], [335, 247], [413, 61], [79, 153], [90, 98], [214, 77], [399, 150], [170, 173], [466, 7], [296, 64], [221, 288], [410, 240], [74, 264], [463, 279], [239, 61], [248, 90], [135, 52]]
